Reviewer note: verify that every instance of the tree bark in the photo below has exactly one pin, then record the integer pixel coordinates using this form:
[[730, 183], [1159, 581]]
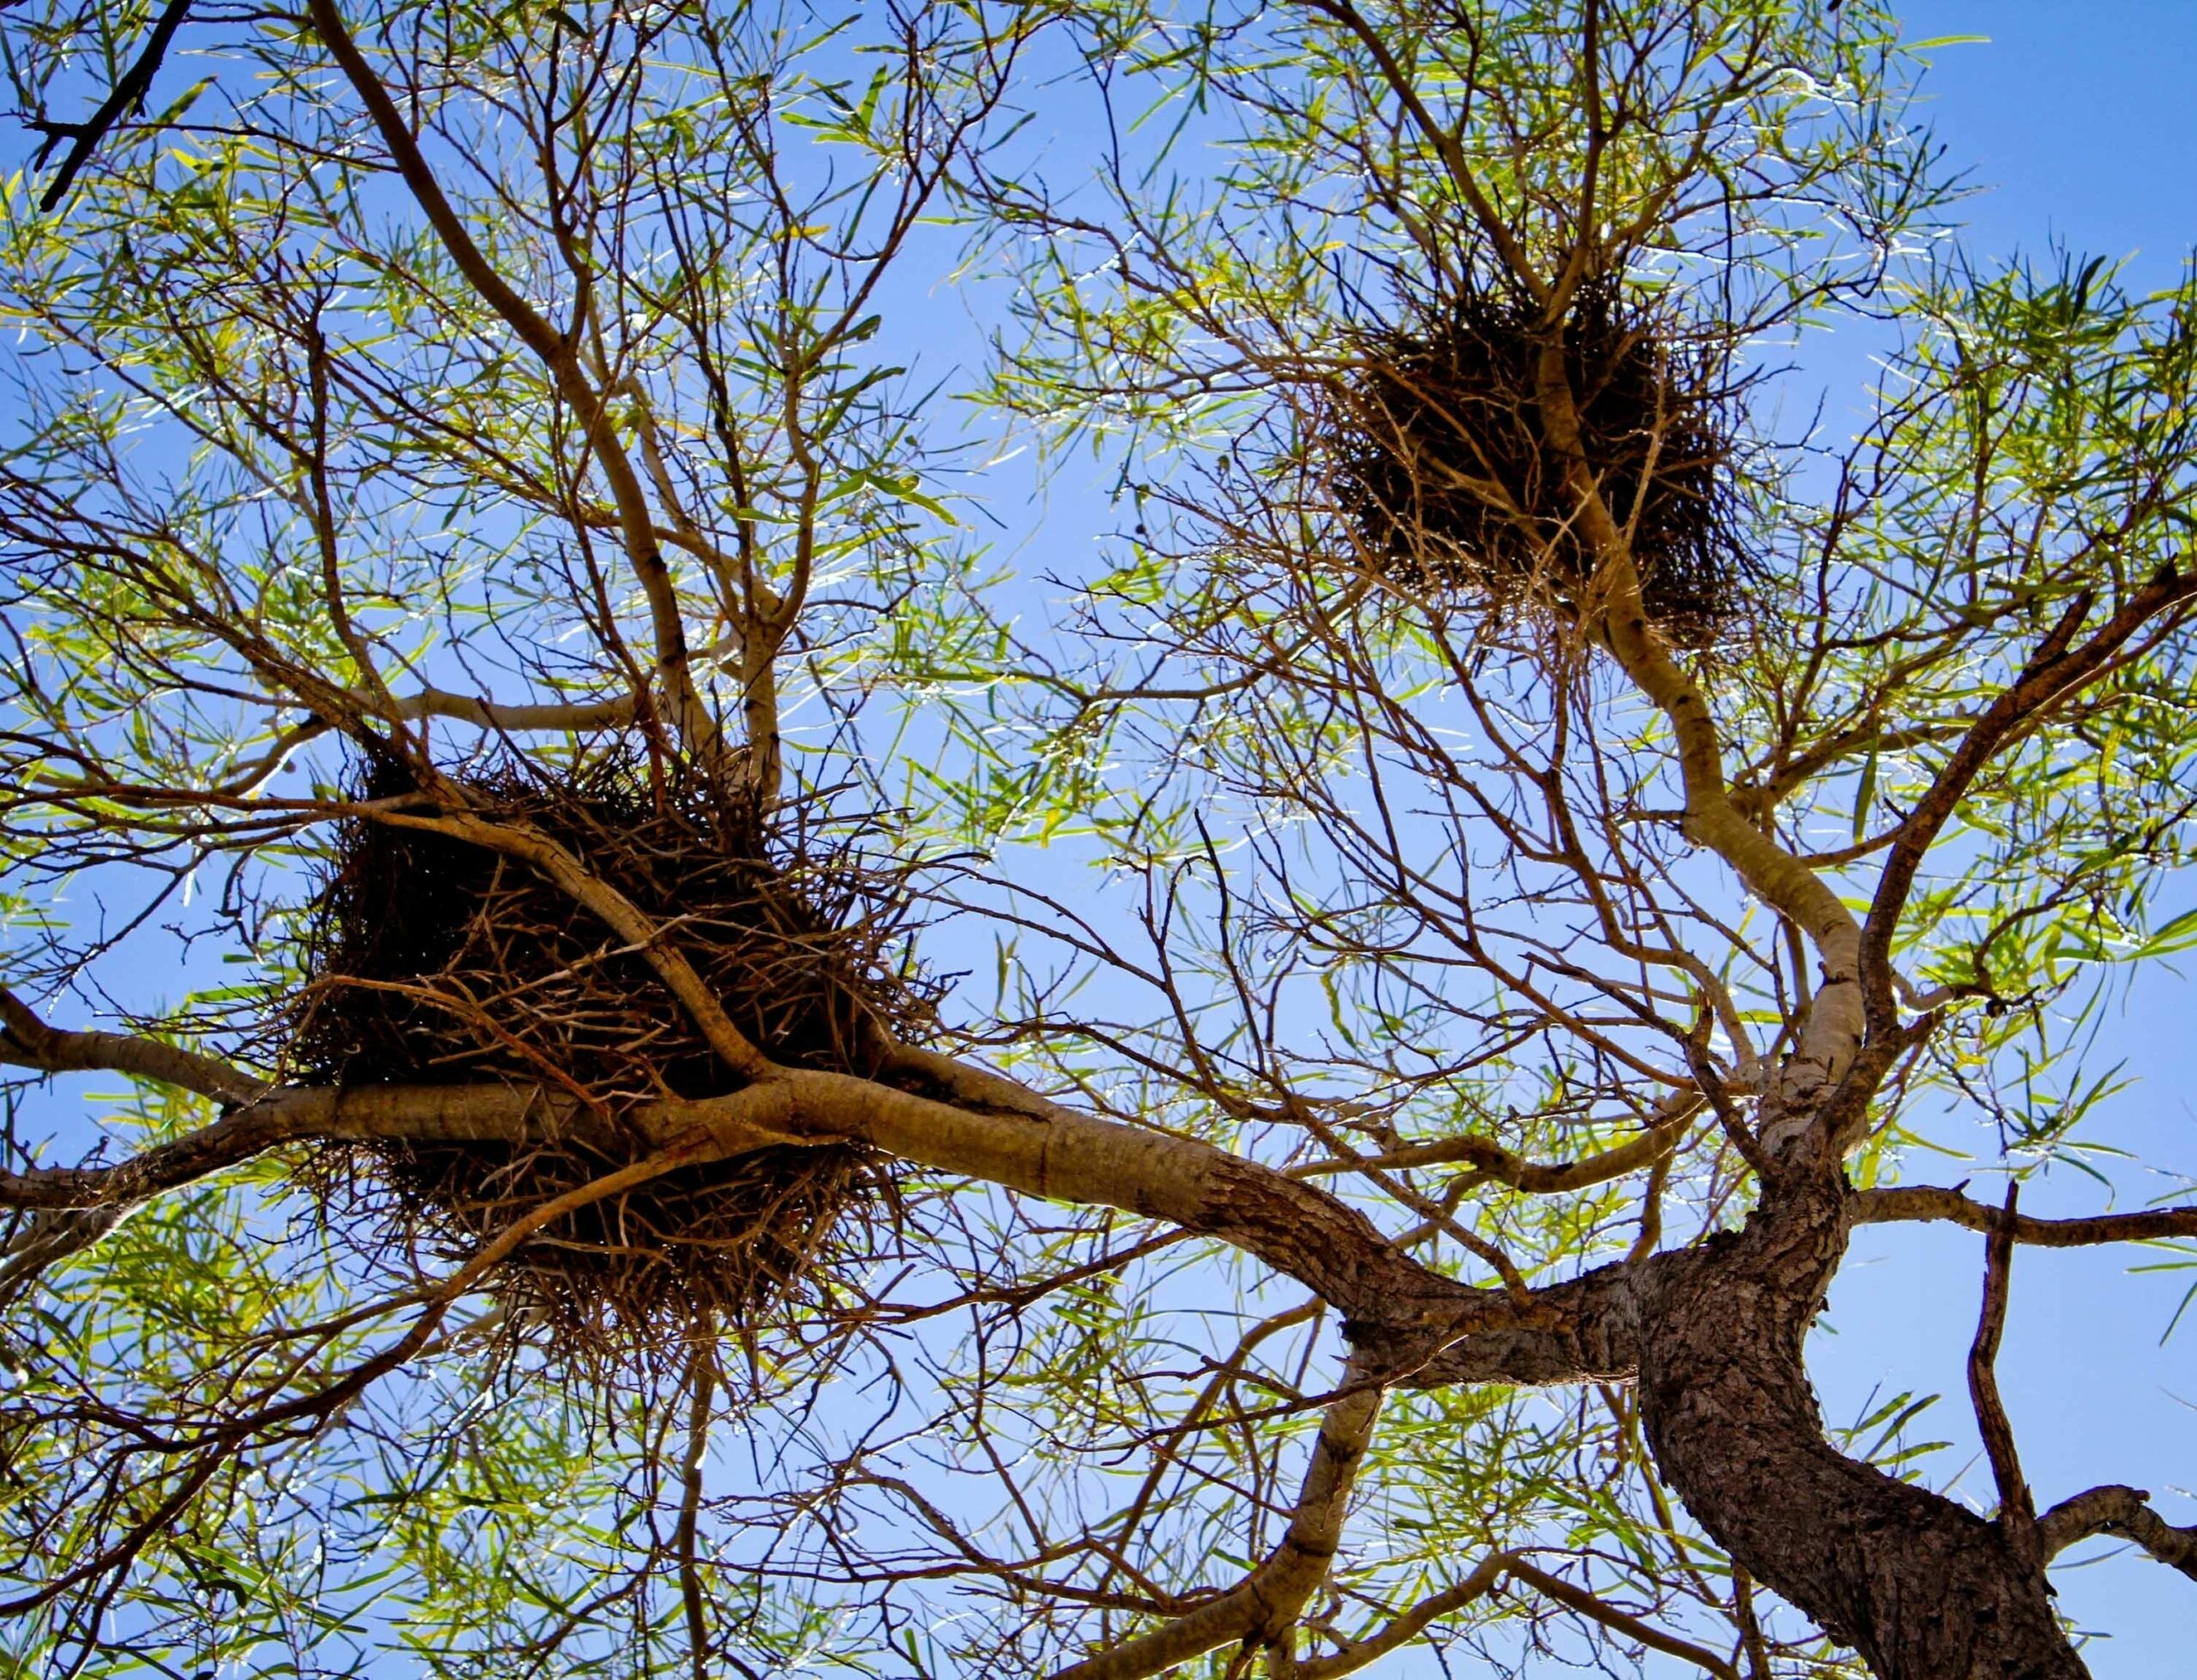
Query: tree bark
[[1920, 1588]]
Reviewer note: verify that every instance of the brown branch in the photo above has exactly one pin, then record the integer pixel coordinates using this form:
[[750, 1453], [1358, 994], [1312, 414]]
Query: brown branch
[[1477, 1585], [1412, 1624], [1490, 1161], [558, 354], [27, 1042], [2017, 1510], [1444, 142], [1578, 1598], [701, 1382], [127, 95], [1749, 1623], [746, 1119], [1833, 1030], [1411, 1323], [2057, 670], [2121, 1512], [1928, 1202], [1265, 1604]]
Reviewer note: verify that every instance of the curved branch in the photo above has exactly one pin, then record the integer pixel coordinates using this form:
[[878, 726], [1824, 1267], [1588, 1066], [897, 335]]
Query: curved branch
[[1483, 1581], [1579, 1599], [1411, 1624], [1266, 1604], [1490, 1161], [2121, 1512], [1409, 1323], [1833, 1031]]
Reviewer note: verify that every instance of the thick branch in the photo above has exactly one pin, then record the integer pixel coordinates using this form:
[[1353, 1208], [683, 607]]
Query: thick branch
[[746, 1119], [28, 1042], [1833, 1029], [978, 1125], [2121, 1512], [1922, 1587], [577, 715]]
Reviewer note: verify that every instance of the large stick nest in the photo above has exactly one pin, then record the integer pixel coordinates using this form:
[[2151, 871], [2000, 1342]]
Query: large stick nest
[[431, 960], [1441, 461]]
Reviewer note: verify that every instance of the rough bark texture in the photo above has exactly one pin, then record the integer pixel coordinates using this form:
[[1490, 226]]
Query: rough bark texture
[[1923, 1589]]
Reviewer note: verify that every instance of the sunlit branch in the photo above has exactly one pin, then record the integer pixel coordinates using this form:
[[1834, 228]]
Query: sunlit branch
[[1263, 1606]]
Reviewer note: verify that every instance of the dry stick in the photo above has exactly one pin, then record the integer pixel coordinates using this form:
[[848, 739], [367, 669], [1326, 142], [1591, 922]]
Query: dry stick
[[701, 1379], [1930, 1201], [2017, 1510], [617, 912], [1578, 1598]]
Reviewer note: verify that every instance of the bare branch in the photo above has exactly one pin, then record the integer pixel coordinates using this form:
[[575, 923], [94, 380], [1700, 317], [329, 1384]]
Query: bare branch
[[1578, 1598], [1910, 1202], [2123, 1513], [126, 97], [1411, 1624], [2056, 670], [1490, 1161], [2017, 1510]]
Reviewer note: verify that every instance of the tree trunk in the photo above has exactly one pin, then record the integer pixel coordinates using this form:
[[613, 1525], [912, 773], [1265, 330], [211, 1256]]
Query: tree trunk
[[1923, 1589]]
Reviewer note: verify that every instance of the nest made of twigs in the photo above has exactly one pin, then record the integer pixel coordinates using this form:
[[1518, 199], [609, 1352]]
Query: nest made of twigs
[[431, 960], [1439, 457]]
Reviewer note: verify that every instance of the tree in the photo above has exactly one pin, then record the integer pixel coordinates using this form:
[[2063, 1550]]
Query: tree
[[495, 589]]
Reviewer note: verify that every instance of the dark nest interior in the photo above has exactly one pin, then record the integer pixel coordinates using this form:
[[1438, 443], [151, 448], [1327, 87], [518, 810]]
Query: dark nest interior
[[1439, 460], [430, 960]]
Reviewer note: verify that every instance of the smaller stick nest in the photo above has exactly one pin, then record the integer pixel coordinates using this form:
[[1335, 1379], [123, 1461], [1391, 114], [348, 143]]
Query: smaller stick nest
[[1440, 461], [431, 961]]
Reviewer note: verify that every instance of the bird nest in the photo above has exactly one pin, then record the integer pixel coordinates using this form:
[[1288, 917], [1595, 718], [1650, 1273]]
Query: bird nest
[[430, 960], [1441, 461]]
